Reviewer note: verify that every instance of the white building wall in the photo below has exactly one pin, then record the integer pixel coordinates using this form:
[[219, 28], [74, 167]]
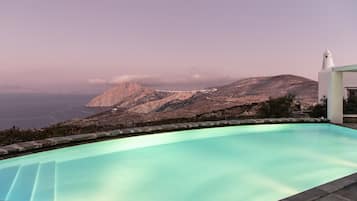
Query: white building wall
[[349, 80], [324, 76], [332, 83], [334, 98], [324, 79]]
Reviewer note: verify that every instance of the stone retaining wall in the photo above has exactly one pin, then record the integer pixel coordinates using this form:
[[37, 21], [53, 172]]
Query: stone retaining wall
[[24, 148]]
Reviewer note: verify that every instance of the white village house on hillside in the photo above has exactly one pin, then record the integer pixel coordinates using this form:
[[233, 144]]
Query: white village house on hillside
[[336, 83]]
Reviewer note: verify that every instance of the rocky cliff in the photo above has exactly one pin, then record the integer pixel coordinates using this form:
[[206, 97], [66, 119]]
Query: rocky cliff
[[135, 103]]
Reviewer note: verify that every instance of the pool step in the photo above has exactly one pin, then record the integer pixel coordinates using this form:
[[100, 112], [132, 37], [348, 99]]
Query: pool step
[[22, 186], [34, 182], [7, 176], [45, 184]]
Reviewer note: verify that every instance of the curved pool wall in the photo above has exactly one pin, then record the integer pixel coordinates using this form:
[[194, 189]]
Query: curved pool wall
[[30, 147], [255, 162]]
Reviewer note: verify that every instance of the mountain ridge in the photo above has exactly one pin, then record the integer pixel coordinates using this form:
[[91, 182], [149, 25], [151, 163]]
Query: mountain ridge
[[238, 99]]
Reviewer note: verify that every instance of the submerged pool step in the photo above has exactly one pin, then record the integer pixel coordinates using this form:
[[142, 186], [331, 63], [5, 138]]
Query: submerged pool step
[[7, 176], [45, 184], [34, 182], [22, 187]]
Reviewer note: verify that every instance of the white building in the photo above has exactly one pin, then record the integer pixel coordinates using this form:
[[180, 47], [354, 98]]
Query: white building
[[336, 83]]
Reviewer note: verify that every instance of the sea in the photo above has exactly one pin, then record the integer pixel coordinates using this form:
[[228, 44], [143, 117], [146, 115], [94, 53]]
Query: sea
[[41, 110]]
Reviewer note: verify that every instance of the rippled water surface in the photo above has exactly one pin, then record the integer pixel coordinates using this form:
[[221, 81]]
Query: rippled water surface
[[239, 163]]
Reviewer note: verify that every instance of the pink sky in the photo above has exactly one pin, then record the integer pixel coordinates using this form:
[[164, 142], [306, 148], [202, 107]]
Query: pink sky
[[61, 45]]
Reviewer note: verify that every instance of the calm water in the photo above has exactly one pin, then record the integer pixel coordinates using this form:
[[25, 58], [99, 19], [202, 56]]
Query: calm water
[[241, 163], [40, 110]]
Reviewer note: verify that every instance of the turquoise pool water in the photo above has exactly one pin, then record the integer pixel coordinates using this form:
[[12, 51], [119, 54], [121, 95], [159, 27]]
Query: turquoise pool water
[[239, 163]]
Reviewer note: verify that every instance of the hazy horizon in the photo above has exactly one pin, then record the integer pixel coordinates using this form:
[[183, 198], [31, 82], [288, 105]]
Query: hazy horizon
[[73, 46]]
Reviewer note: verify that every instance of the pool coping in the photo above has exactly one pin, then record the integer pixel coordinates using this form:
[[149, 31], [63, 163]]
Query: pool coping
[[25, 148], [343, 189]]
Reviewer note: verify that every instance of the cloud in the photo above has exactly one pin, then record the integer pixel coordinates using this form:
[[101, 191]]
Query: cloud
[[183, 81], [143, 79], [131, 78], [196, 76], [97, 81]]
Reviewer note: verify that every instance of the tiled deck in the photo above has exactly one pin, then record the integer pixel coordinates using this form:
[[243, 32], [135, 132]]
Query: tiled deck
[[344, 189]]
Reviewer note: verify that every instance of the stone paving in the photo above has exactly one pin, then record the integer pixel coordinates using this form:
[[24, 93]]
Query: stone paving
[[57, 142], [351, 125], [344, 189]]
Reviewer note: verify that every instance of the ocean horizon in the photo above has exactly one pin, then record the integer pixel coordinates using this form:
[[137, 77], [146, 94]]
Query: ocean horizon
[[41, 110]]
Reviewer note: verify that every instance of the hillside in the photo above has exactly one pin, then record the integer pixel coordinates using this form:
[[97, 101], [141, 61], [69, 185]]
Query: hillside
[[261, 88], [136, 103], [137, 98], [122, 94]]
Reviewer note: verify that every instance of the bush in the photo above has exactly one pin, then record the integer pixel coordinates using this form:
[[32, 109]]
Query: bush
[[278, 107], [319, 110]]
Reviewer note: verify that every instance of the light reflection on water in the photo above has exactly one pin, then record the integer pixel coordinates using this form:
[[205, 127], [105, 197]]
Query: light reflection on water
[[264, 162]]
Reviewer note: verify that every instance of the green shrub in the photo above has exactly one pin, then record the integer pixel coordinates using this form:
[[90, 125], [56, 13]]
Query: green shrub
[[278, 107], [319, 110]]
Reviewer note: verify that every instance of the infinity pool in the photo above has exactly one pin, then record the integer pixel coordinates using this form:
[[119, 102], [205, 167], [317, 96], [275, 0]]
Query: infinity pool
[[238, 163]]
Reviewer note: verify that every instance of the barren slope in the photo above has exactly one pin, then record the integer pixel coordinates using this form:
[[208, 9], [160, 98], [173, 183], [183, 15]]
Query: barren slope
[[139, 104]]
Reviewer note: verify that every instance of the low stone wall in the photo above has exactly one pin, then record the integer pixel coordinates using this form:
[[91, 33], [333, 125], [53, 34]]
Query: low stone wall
[[24, 148]]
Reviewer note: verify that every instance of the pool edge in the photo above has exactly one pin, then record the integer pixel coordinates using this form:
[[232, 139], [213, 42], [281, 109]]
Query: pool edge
[[30, 147]]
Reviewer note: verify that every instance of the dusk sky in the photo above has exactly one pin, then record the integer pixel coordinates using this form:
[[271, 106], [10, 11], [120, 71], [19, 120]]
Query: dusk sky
[[68, 44]]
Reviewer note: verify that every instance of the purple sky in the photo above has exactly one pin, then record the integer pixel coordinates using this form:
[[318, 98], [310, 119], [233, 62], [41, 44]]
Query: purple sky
[[64, 45]]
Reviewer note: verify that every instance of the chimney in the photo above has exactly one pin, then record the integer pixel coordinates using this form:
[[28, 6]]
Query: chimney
[[327, 62]]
